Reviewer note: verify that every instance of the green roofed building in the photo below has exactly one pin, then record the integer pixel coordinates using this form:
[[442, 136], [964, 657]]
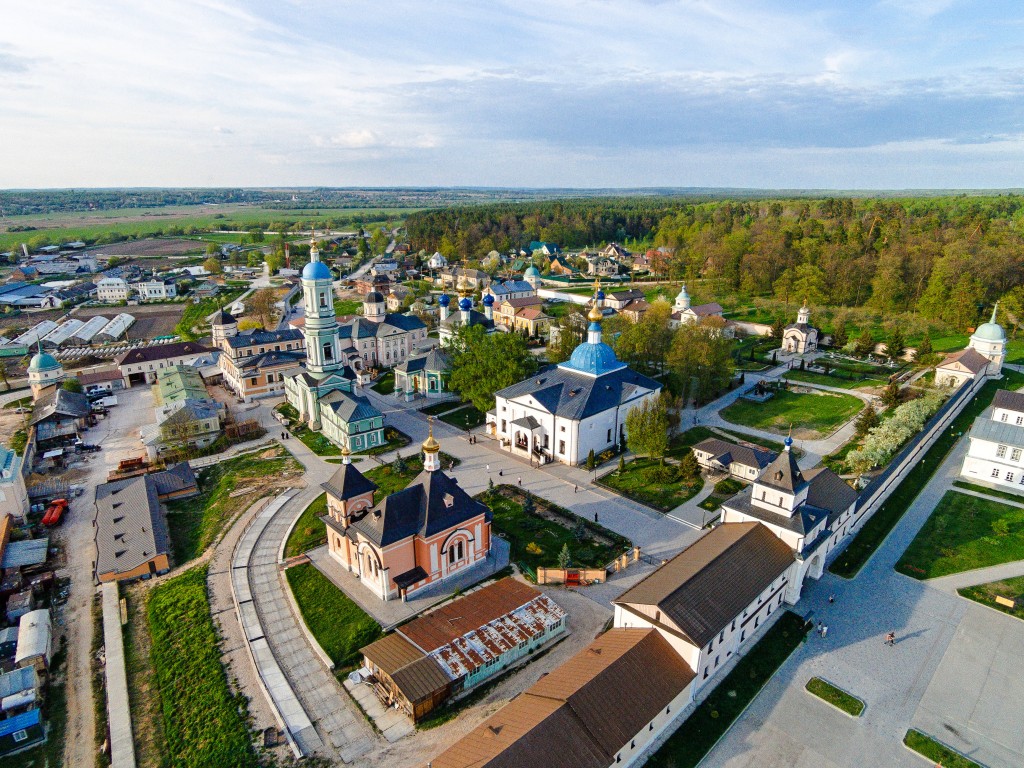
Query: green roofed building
[[180, 382]]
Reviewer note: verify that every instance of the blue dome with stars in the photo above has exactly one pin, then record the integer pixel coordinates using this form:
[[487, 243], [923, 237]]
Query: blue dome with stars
[[600, 295], [488, 300], [465, 303], [444, 300]]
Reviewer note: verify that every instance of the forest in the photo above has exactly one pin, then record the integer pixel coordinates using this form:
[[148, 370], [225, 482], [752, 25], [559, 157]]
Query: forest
[[945, 258]]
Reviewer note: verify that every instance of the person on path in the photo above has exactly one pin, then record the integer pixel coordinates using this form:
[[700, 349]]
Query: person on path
[[501, 473], [595, 517], [488, 468], [831, 599], [824, 631], [575, 488], [520, 481], [820, 625], [890, 639]]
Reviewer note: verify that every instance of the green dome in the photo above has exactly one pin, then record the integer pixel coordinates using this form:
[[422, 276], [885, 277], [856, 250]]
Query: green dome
[[531, 271], [43, 361], [990, 332]]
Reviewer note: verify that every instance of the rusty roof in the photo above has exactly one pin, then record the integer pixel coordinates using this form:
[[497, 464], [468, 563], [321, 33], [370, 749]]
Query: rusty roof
[[583, 713], [455, 619], [709, 583]]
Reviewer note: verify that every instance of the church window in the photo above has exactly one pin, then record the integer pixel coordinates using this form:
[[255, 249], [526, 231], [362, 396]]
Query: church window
[[323, 300], [1003, 417], [328, 351], [561, 446], [1015, 454], [995, 472], [609, 438], [1009, 477], [1000, 451]]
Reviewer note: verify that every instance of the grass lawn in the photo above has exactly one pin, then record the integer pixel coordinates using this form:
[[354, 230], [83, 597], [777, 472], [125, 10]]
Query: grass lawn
[[986, 594], [203, 722], [811, 415], [385, 385], [464, 418], [682, 442], [764, 442], [938, 753], [642, 481], [964, 533], [989, 491], [713, 717], [317, 442], [439, 408], [389, 479], [393, 440], [832, 380], [338, 624], [309, 532], [874, 531], [548, 529], [195, 523], [835, 696], [347, 307]]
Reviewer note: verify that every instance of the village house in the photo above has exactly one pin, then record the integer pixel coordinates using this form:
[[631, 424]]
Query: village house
[[510, 289], [156, 290], [141, 366], [744, 462], [996, 452], [419, 536], [448, 651], [112, 290]]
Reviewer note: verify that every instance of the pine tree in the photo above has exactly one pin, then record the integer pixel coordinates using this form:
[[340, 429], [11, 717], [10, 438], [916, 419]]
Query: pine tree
[[892, 394], [895, 345], [689, 467], [564, 558], [839, 335], [867, 421], [925, 347], [865, 343]]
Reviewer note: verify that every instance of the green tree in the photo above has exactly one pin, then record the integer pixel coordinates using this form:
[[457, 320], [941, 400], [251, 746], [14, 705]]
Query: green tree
[[840, 337], [892, 394], [262, 306], [591, 460], [73, 385], [1012, 306], [865, 344], [564, 558], [647, 429], [256, 235], [925, 347], [213, 265], [484, 363], [896, 344], [701, 357], [689, 467], [867, 421], [212, 249], [778, 328]]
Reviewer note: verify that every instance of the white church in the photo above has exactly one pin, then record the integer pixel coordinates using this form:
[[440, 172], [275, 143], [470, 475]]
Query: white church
[[983, 356], [800, 337], [564, 411]]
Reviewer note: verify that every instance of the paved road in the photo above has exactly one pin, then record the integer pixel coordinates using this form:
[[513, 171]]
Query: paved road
[[954, 672]]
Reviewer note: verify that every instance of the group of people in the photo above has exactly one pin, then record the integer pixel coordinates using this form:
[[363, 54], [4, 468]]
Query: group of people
[[822, 629]]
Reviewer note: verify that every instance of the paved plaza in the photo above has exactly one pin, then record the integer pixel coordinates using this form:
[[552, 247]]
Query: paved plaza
[[954, 672]]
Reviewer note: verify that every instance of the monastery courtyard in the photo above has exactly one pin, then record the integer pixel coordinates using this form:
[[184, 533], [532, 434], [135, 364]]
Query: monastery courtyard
[[954, 672]]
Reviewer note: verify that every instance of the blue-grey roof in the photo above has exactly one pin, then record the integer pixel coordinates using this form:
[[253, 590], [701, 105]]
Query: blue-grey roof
[[573, 395], [454, 320], [350, 408], [361, 328], [419, 509], [19, 680], [263, 337], [510, 286], [436, 360], [998, 432], [268, 359], [316, 270], [347, 483]]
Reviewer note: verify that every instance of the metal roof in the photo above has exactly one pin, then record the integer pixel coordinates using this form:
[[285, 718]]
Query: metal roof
[[90, 328], [709, 583], [130, 528], [997, 432], [29, 552], [33, 635], [1009, 400], [62, 333], [35, 333], [117, 327]]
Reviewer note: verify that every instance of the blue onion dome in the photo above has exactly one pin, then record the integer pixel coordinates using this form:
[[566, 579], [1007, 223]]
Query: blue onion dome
[[788, 442], [465, 303], [444, 300], [594, 359], [316, 270], [600, 295], [488, 300]]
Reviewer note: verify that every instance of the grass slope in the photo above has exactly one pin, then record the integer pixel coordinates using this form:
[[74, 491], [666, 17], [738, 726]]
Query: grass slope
[[309, 532], [810, 415], [338, 624]]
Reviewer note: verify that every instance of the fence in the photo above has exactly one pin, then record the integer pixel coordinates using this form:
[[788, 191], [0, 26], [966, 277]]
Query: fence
[[570, 576]]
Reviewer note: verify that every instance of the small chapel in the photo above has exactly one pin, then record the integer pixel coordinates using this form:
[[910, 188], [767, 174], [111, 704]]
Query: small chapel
[[800, 337], [426, 533]]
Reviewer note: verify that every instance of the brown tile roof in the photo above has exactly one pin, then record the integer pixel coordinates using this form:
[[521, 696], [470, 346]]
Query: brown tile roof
[[523, 301], [453, 620], [709, 583], [584, 712], [970, 358], [161, 352], [829, 491], [100, 376], [392, 652], [531, 313], [416, 675], [1011, 401], [706, 310], [783, 473]]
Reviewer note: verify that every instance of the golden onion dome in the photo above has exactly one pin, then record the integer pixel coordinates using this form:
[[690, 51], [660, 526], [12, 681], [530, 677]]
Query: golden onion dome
[[595, 313], [430, 445]]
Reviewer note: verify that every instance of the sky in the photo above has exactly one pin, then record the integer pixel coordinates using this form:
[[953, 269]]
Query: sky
[[894, 94]]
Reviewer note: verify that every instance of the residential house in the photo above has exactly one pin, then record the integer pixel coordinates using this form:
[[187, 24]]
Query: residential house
[[180, 382], [142, 365], [183, 426], [560, 266], [156, 290], [474, 279], [396, 299], [510, 289], [996, 452], [617, 300], [60, 416], [419, 536], [449, 651], [130, 539], [437, 261], [742, 461], [548, 249], [255, 363], [370, 283]]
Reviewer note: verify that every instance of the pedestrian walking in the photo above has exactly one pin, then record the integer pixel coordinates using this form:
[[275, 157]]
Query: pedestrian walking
[[824, 631], [488, 467], [820, 625], [501, 473], [575, 487], [520, 481], [831, 599], [890, 639], [595, 517]]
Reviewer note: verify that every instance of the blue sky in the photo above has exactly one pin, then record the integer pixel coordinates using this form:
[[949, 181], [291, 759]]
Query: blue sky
[[893, 94]]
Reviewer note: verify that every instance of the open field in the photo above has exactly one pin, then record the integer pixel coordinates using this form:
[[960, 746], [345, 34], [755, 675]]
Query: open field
[[964, 533], [150, 247], [150, 320], [811, 414], [832, 380]]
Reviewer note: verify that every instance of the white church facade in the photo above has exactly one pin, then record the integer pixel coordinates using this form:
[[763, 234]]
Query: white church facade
[[565, 411], [983, 356], [800, 337]]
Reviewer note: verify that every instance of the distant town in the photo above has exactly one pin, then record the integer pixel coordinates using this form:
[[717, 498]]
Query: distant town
[[510, 480]]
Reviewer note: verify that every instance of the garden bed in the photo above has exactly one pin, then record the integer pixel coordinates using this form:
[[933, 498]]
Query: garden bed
[[536, 537], [385, 385], [714, 716], [339, 625], [986, 594], [936, 751], [652, 483], [835, 696]]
